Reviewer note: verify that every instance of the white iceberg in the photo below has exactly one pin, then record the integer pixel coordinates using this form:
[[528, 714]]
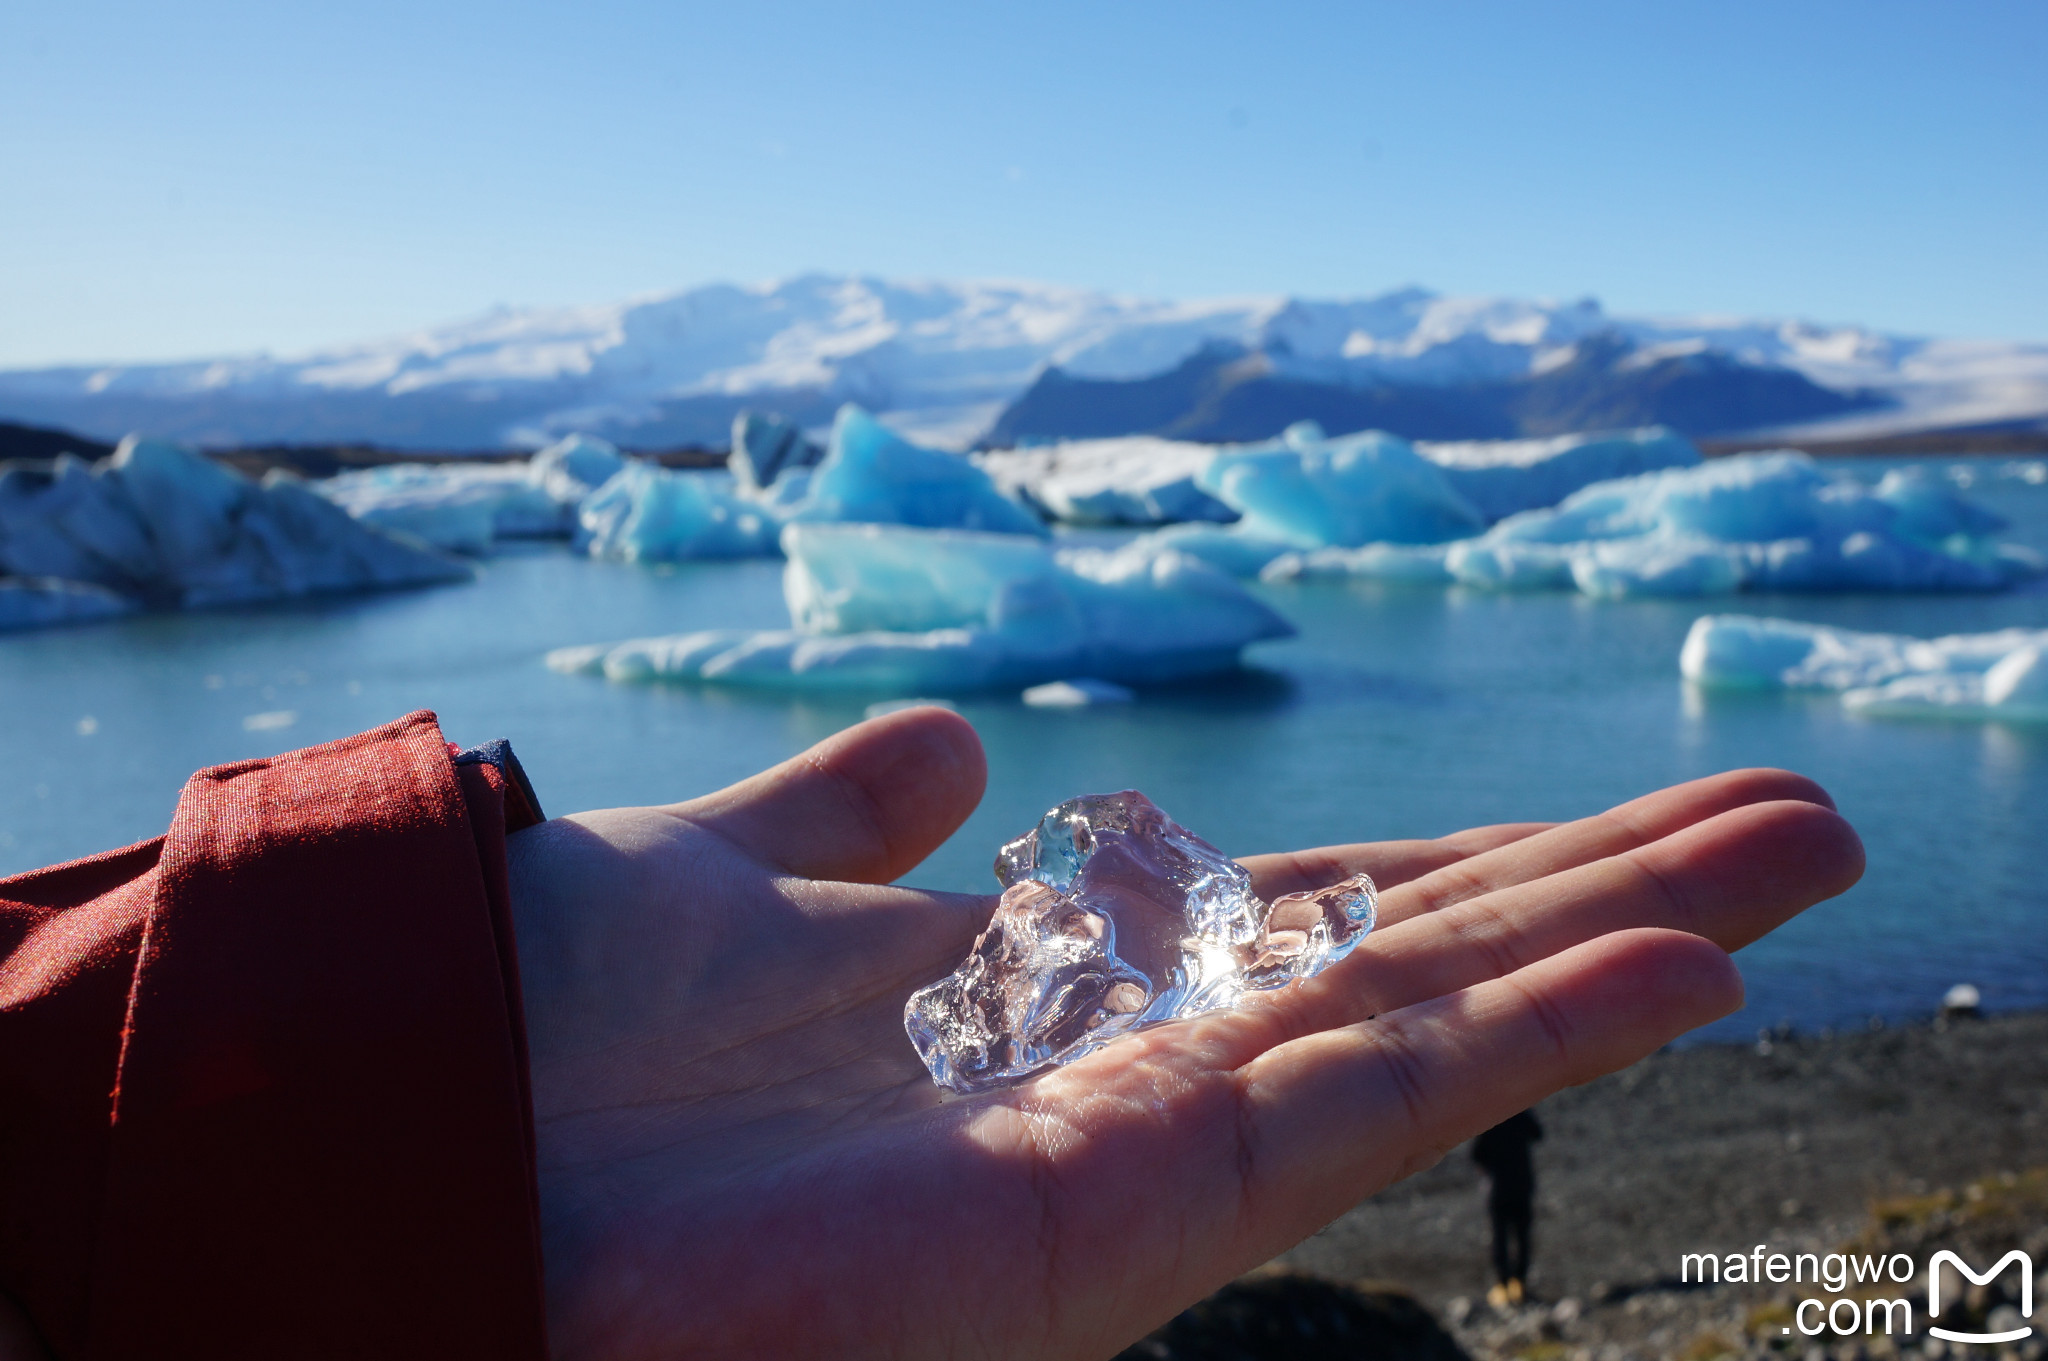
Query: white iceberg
[[1134, 480], [2001, 675], [1503, 477], [161, 525], [871, 475], [939, 611], [647, 513]]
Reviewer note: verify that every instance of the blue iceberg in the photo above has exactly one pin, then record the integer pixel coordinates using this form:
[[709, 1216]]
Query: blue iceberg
[[647, 513], [158, 524], [466, 506], [1311, 492], [920, 611], [1976, 676], [871, 475], [1504, 477], [1304, 493], [1754, 522]]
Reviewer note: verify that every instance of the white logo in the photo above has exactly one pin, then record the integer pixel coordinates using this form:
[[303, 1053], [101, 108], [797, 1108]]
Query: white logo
[[2026, 1265]]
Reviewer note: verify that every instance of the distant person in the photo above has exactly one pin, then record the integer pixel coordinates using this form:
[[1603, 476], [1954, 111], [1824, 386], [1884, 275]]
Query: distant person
[[1503, 1153]]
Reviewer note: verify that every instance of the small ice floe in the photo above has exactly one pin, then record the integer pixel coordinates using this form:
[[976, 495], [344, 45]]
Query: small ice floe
[[1078, 693], [2001, 676], [1962, 1000]]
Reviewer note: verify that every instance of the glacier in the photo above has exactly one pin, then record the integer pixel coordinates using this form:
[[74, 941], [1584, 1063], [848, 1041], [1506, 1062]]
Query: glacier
[[1970, 676], [157, 524], [1770, 521], [936, 611]]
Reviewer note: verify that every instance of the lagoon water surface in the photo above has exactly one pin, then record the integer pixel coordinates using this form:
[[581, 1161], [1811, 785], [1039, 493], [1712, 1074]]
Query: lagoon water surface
[[1397, 712]]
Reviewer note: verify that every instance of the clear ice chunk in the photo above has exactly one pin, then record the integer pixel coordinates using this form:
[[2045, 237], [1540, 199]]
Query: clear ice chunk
[[1114, 917]]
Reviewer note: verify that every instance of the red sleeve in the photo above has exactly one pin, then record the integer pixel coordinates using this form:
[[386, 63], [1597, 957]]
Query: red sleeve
[[263, 1080]]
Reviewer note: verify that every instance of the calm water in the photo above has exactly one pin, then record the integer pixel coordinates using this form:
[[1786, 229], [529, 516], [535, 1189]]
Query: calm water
[[1397, 712]]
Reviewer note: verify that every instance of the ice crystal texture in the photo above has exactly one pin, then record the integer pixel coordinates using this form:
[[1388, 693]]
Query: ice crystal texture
[[1115, 917]]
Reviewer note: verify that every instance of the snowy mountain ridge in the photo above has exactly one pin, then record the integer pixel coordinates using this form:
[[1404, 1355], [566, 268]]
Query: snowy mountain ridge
[[942, 359]]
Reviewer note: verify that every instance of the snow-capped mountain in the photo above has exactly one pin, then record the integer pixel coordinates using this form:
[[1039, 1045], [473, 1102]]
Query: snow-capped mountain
[[943, 360]]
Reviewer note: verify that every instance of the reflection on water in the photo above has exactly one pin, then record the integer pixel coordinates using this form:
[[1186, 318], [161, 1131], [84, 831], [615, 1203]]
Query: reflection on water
[[1399, 711]]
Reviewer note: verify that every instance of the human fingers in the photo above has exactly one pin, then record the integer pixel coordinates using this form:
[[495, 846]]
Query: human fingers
[[1388, 862], [1330, 1118], [1728, 879], [865, 805], [1639, 822]]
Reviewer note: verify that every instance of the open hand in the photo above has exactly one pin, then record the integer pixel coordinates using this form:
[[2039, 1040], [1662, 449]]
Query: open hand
[[742, 1156]]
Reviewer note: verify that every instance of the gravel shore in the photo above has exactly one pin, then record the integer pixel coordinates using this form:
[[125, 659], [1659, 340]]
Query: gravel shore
[[1910, 1138]]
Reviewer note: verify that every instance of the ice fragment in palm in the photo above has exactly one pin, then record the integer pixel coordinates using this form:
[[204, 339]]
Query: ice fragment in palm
[[1115, 917]]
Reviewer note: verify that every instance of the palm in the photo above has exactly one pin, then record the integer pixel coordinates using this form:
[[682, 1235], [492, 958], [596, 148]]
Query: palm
[[742, 1155]]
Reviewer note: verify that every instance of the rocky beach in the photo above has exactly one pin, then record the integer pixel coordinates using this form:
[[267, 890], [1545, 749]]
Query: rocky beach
[[1909, 1138]]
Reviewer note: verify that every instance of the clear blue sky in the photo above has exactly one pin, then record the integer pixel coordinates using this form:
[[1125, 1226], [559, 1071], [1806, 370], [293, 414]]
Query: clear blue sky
[[209, 177]]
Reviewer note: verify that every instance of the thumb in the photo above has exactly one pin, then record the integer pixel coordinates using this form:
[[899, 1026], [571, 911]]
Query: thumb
[[865, 805]]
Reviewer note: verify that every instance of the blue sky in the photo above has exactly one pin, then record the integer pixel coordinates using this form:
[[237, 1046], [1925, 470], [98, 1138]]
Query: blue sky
[[215, 177]]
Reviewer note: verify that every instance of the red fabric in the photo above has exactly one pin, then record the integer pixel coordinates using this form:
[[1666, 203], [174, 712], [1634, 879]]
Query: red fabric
[[263, 1080]]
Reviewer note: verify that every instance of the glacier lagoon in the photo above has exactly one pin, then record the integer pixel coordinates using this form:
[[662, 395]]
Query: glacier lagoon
[[1399, 710]]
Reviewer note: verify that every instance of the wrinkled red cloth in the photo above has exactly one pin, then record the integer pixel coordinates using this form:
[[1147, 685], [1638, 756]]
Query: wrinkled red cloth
[[263, 1079]]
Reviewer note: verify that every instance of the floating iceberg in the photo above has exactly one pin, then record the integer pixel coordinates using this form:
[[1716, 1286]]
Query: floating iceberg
[[1305, 494], [1310, 492], [938, 611], [1503, 477], [466, 506], [871, 475], [573, 467], [1753, 522], [2002, 675], [157, 524], [1136, 480], [765, 448], [460, 507], [647, 513], [1145, 480], [31, 602], [1113, 918]]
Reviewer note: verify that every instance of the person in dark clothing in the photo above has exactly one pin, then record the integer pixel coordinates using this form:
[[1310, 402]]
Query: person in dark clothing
[[1503, 1154]]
